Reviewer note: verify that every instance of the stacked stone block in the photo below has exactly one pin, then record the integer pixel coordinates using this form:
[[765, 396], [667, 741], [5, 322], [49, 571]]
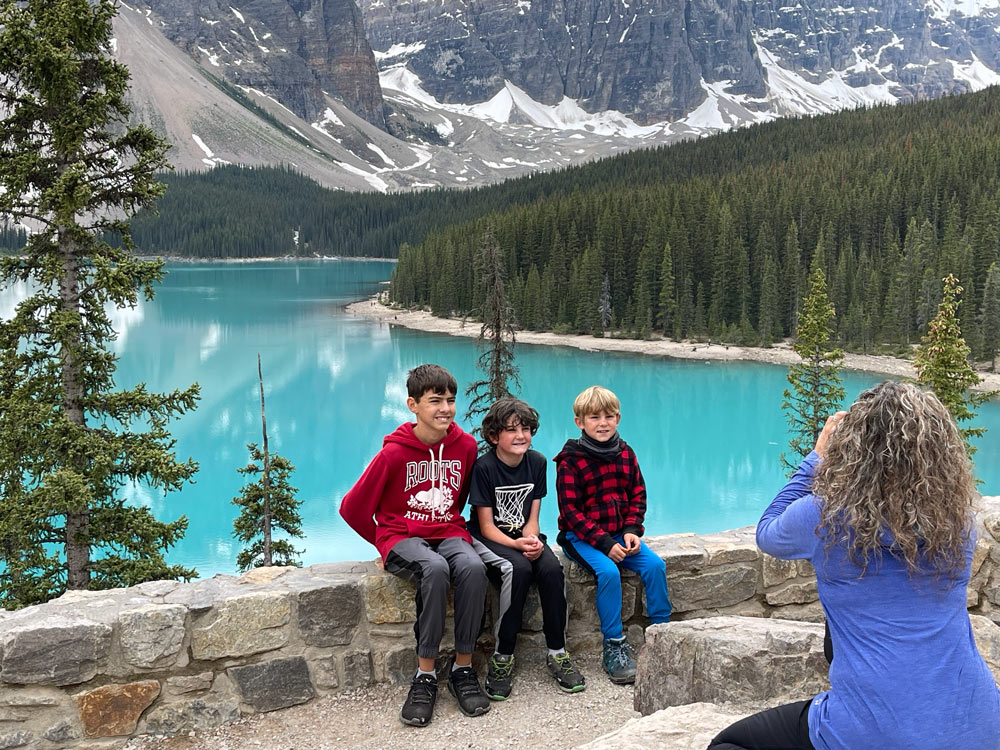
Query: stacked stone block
[[91, 668]]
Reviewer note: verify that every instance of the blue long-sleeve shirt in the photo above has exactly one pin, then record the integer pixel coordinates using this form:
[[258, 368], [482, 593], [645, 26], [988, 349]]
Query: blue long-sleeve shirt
[[906, 674]]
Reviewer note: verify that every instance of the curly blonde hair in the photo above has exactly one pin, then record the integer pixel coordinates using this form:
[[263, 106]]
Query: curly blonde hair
[[896, 471]]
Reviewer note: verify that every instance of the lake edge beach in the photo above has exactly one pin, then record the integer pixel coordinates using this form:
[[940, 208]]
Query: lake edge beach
[[779, 354]]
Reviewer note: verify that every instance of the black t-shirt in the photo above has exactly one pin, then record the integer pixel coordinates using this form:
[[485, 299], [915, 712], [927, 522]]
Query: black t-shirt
[[508, 490]]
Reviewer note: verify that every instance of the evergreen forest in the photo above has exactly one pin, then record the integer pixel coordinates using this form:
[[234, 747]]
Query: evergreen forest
[[714, 238], [701, 239], [252, 212]]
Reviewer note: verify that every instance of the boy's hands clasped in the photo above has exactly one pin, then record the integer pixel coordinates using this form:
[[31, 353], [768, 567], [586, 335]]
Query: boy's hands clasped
[[619, 552], [531, 546]]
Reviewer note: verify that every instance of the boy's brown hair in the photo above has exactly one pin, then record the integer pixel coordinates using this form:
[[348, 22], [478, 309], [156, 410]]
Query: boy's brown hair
[[500, 414], [594, 400], [425, 378]]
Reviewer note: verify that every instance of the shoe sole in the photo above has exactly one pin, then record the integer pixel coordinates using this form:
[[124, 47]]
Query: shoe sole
[[573, 688], [461, 708], [414, 722], [494, 696], [622, 680]]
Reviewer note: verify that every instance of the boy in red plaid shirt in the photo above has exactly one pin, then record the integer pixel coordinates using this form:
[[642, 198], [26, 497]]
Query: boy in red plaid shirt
[[602, 504]]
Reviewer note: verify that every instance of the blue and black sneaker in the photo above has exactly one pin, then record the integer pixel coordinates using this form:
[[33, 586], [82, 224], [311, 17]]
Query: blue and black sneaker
[[619, 661]]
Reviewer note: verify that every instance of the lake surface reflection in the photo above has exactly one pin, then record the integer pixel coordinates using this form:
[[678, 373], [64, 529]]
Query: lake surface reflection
[[707, 435]]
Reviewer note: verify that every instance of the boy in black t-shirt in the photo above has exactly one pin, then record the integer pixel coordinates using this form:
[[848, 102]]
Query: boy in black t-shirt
[[508, 484]]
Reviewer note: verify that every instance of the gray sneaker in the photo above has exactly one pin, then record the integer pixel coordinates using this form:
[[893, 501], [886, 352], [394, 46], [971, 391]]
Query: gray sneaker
[[619, 661], [567, 675], [498, 677]]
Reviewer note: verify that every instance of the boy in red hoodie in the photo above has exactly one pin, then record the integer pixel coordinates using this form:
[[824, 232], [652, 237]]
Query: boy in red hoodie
[[409, 503]]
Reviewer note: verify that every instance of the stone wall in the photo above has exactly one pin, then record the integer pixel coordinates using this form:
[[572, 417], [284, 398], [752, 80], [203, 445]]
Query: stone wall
[[92, 668]]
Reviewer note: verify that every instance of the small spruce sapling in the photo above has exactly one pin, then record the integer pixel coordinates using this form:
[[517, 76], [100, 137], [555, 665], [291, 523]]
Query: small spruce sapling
[[496, 335], [266, 504], [942, 363], [815, 391]]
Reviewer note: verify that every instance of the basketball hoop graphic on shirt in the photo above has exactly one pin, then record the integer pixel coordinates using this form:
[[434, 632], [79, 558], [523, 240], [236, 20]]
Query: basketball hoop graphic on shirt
[[510, 506]]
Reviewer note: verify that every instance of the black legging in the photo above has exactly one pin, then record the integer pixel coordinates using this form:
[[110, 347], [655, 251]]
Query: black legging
[[782, 728]]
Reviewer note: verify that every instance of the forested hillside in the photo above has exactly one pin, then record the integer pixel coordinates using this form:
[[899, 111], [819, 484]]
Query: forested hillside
[[715, 237], [235, 212]]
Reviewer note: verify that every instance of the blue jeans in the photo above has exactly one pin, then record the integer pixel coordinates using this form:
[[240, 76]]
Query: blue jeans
[[645, 562]]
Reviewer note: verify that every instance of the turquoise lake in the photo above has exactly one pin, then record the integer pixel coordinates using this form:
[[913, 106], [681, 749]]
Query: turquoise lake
[[707, 435]]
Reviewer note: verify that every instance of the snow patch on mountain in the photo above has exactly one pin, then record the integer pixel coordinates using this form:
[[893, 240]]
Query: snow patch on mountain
[[511, 104], [722, 110], [210, 158], [975, 73], [942, 9], [399, 50], [792, 94], [382, 154], [375, 181]]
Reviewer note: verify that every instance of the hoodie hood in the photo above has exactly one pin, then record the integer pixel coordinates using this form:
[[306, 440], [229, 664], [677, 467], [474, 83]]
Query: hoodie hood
[[404, 435]]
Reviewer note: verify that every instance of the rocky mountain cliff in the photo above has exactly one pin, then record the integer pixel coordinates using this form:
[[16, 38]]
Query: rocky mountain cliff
[[293, 50], [656, 60], [410, 94], [644, 58]]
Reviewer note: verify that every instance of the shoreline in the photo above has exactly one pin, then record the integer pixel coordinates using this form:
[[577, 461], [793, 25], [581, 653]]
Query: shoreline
[[257, 259], [779, 354]]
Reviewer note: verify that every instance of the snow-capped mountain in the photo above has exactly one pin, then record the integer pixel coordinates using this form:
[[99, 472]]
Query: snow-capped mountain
[[409, 94]]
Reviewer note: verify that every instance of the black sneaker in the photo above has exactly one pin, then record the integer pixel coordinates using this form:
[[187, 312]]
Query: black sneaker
[[567, 675], [498, 677], [464, 685], [419, 707]]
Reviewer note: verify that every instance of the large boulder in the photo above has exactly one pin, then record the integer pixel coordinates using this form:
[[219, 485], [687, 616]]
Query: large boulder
[[689, 727], [749, 662], [987, 634]]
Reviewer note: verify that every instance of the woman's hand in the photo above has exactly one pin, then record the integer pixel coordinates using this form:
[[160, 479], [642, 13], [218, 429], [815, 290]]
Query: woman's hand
[[824, 437]]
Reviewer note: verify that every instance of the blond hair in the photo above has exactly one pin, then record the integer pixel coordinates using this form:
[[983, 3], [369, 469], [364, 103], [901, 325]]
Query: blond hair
[[896, 476], [594, 400]]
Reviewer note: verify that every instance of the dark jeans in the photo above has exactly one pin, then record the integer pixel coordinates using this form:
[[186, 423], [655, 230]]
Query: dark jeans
[[513, 575], [782, 728]]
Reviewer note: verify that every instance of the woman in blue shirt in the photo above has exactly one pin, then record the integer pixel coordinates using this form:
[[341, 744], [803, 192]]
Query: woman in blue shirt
[[882, 509]]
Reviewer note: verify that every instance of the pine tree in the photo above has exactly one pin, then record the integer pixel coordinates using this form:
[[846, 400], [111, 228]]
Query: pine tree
[[604, 306], [666, 318], [267, 504], [69, 443], [815, 392], [989, 316], [790, 269], [767, 321], [496, 334], [942, 364]]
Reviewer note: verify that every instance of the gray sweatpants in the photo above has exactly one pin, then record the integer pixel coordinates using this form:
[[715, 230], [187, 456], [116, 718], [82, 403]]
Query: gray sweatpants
[[432, 567]]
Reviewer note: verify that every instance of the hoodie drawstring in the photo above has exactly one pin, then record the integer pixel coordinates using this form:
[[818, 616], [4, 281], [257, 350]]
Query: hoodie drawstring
[[440, 469]]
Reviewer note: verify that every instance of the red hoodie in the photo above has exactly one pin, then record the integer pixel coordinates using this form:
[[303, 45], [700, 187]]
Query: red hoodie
[[411, 489]]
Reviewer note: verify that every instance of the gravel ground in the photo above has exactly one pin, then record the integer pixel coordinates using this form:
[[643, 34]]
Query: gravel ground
[[537, 715]]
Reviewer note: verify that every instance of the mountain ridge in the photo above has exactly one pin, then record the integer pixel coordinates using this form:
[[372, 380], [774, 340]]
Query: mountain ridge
[[394, 95]]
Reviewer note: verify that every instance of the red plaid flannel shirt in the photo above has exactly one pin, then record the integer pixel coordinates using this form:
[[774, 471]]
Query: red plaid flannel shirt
[[598, 499]]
